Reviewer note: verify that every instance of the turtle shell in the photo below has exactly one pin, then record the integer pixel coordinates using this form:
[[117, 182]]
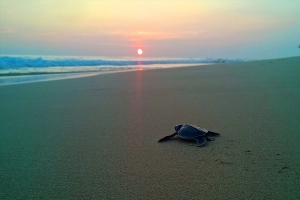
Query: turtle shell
[[191, 132]]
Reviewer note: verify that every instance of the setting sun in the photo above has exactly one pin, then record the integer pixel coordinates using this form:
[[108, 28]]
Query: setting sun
[[140, 51]]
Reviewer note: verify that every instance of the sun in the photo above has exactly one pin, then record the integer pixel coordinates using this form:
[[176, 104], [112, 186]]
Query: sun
[[140, 51]]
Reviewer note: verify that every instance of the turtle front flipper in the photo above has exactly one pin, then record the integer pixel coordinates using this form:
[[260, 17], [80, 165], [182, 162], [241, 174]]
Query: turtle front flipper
[[200, 141], [167, 137]]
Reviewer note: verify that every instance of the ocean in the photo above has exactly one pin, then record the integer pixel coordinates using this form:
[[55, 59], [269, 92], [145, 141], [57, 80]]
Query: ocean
[[18, 69]]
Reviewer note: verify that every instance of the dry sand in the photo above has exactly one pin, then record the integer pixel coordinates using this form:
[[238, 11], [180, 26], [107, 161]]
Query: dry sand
[[96, 137]]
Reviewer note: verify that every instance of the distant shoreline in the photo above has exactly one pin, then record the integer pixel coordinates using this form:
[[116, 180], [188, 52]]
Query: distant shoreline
[[20, 78]]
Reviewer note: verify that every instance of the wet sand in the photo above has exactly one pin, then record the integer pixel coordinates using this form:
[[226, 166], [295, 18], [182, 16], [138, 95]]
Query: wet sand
[[96, 137]]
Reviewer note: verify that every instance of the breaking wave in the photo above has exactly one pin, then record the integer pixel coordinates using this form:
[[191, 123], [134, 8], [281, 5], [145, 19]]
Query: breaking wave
[[16, 65]]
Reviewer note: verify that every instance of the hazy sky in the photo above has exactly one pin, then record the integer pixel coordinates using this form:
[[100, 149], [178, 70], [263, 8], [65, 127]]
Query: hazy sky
[[162, 28]]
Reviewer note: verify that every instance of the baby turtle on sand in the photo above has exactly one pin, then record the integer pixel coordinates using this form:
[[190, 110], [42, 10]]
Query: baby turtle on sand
[[190, 132]]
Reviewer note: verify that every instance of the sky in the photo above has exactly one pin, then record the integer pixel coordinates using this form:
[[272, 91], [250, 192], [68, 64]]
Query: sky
[[249, 29]]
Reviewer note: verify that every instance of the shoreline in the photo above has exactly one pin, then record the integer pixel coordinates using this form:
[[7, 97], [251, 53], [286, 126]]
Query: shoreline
[[33, 78], [10, 79]]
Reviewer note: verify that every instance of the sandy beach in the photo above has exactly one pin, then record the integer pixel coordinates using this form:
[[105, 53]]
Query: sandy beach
[[96, 137]]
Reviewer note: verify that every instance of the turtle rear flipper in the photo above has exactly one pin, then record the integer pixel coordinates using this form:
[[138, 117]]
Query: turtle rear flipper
[[200, 141], [167, 137], [209, 138], [213, 133]]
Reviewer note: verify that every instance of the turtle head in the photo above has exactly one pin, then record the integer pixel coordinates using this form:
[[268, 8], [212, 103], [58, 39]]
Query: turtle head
[[178, 127]]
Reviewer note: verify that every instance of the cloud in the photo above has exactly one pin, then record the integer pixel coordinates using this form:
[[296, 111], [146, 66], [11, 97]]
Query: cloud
[[156, 35]]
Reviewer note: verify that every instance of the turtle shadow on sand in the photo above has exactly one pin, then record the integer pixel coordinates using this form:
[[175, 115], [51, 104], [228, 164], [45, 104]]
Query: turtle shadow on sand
[[190, 132], [179, 141]]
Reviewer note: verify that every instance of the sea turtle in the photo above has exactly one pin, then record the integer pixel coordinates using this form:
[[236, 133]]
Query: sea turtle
[[190, 132]]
